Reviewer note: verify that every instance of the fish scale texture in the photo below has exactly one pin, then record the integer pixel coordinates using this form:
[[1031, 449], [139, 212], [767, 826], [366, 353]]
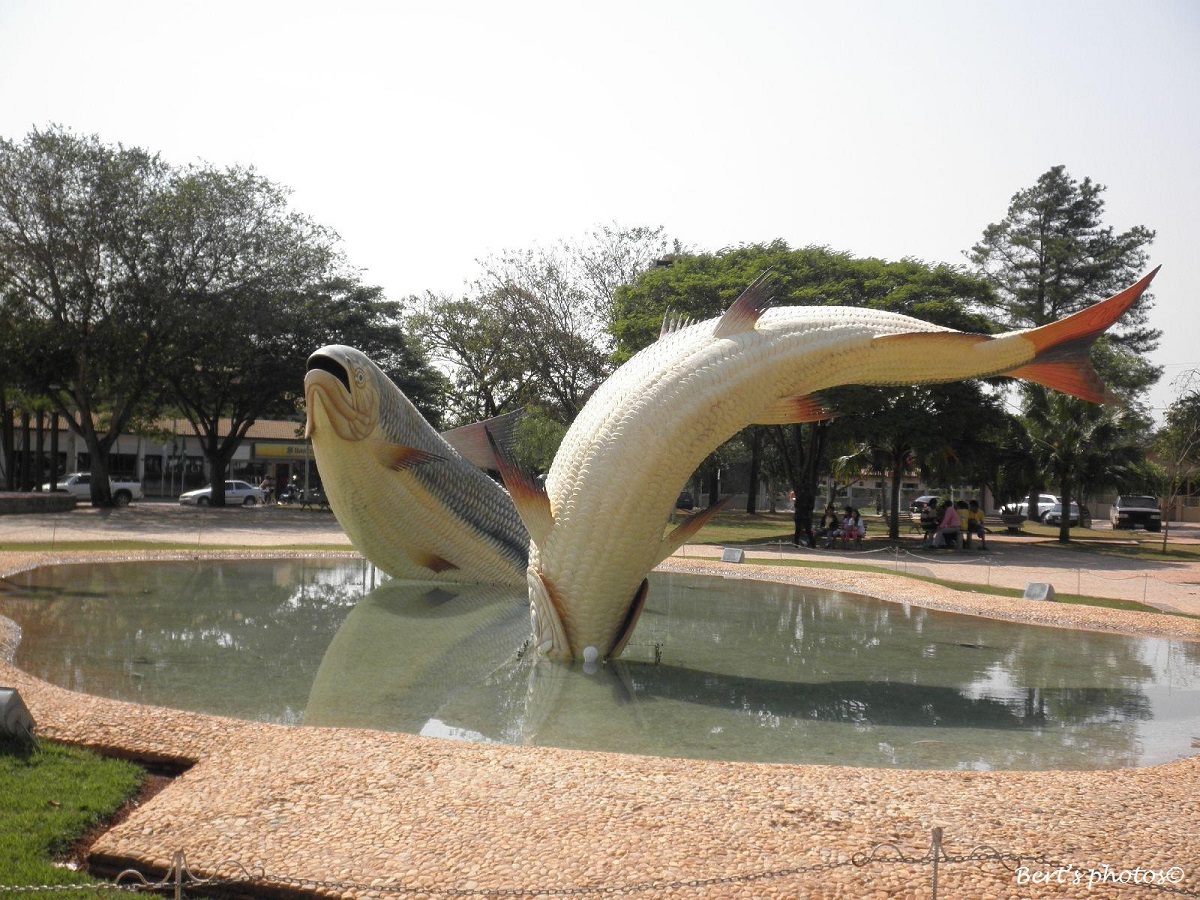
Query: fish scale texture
[[614, 481]]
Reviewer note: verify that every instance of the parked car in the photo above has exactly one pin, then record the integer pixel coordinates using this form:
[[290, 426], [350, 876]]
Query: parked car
[[684, 500], [79, 485], [1080, 515], [235, 492], [1136, 511], [1045, 503], [921, 502]]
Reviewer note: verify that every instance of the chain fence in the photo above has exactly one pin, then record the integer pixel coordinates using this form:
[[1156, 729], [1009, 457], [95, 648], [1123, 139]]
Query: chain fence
[[930, 868]]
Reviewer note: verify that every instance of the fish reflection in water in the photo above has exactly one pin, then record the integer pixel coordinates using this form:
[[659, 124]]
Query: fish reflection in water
[[453, 660]]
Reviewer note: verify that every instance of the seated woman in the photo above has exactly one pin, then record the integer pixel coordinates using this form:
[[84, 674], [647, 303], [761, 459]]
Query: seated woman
[[828, 526], [949, 532], [853, 529]]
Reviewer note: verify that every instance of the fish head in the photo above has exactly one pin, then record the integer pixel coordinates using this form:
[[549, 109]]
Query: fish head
[[341, 393]]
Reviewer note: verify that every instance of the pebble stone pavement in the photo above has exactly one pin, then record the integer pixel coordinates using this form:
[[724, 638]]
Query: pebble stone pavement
[[356, 813]]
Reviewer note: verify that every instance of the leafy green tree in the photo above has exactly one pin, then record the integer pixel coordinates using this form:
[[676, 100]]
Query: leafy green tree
[[82, 266], [1072, 438], [240, 339], [702, 286], [534, 329], [1052, 255], [1177, 444]]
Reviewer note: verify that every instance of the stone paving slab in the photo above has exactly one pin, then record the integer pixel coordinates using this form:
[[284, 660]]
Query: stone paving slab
[[343, 812]]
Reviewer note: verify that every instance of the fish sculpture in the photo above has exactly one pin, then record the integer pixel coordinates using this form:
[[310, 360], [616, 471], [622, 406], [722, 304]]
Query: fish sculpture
[[414, 502], [597, 524]]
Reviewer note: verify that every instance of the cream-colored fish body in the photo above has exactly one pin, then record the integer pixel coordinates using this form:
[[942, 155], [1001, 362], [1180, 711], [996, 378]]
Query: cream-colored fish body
[[598, 530], [406, 498]]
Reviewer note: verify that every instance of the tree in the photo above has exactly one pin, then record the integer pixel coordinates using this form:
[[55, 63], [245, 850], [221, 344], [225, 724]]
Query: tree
[[1073, 439], [533, 329], [1052, 256], [1177, 444], [82, 266], [702, 286], [242, 334]]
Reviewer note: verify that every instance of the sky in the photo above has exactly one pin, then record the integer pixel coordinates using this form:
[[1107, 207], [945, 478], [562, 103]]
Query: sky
[[432, 135]]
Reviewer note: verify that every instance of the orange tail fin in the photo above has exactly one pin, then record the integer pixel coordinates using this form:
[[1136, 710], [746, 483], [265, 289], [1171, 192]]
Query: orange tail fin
[[1062, 348]]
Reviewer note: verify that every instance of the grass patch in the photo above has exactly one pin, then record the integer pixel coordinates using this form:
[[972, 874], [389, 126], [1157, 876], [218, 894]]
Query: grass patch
[[968, 587], [52, 795]]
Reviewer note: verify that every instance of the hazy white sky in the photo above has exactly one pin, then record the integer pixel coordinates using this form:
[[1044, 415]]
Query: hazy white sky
[[430, 135]]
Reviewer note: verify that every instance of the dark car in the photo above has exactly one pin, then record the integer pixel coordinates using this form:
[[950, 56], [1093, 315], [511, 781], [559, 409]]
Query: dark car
[[684, 500], [1080, 515], [1136, 511], [919, 503]]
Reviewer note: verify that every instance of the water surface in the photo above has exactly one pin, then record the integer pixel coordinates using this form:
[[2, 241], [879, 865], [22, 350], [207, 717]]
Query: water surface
[[719, 669]]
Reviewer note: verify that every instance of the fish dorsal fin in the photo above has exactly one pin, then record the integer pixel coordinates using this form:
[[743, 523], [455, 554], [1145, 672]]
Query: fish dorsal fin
[[746, 309], [673, 323], [791, 410], [400, 458], [687, 530], [529, 497], [1062, 359], [471, 443]]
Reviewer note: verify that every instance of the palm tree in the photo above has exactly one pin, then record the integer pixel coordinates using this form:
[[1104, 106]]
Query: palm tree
[[1078, 443]]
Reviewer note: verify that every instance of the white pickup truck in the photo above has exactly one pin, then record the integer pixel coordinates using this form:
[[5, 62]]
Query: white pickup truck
[[79, 485]]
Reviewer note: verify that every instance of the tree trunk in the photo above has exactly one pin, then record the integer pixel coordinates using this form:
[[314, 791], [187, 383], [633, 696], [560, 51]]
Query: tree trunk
[[26, 452], [218, 465], [98, 451], [39, 456], [1064, 525], [54, 472], [894, 486], [756, 439], [1031, 511], [8, 453]]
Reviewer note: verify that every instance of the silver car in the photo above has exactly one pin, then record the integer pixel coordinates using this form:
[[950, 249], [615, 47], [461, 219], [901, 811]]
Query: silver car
[[235, 492]]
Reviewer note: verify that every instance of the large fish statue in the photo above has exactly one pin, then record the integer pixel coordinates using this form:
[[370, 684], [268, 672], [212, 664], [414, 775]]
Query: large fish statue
[[415, 503], [597, 525]]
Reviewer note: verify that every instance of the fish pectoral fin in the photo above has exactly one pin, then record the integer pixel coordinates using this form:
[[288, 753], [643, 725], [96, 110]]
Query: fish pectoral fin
[[471, 443], [687, 530], [631, 620], [432, 561], [1062, 358], [528, 496], [399, 457], [792, 410], [746, 309]]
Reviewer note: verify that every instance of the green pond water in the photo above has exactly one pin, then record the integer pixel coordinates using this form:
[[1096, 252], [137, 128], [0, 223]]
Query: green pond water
[[717, 669]]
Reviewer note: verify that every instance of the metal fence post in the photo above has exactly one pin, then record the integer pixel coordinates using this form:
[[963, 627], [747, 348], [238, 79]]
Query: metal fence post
[[935, 849]]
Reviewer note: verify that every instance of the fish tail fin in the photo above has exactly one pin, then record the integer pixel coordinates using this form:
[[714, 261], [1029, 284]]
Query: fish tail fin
[[528, 496], [1061, 349]]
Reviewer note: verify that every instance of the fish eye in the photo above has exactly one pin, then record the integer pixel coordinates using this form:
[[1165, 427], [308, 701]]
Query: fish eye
[[359, 376]]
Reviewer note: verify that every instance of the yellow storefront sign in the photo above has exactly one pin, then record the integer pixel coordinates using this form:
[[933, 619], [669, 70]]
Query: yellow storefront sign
[[280, 451]]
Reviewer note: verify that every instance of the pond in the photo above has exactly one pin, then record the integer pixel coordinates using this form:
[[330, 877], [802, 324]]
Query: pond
[[717, 669]]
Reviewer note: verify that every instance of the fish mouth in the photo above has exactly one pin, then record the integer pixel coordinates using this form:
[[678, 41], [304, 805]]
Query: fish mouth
[[328, 364], [331, 402]]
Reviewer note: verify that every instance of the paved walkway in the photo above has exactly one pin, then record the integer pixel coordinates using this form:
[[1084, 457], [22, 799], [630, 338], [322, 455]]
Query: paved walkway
[[354, 813]]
